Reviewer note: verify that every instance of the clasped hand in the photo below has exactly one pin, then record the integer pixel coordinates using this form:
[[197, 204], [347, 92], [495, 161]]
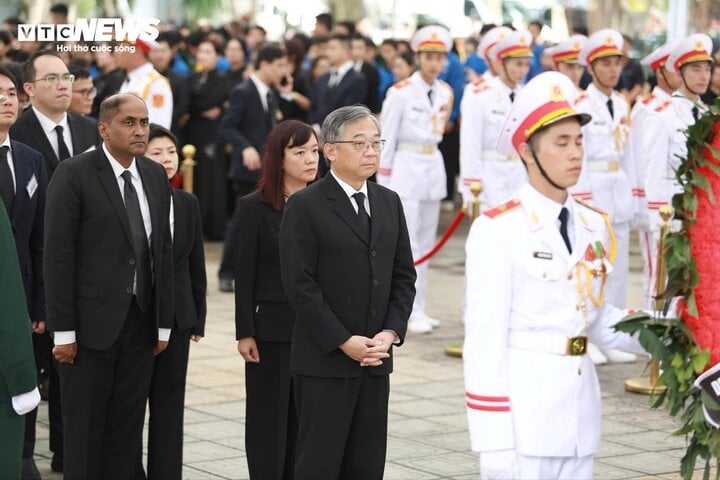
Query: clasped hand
[[369, 352]]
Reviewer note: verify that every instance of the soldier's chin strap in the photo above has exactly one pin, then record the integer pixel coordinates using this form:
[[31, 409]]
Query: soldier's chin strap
[[597, 79], [542, 170], [662, 73], [682, 77]]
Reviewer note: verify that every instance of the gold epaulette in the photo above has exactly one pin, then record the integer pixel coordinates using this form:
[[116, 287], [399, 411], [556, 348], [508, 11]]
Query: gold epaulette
[[580, 98], [590, 206], [648, 98], [502, 208], [480, 87], [663, 105]]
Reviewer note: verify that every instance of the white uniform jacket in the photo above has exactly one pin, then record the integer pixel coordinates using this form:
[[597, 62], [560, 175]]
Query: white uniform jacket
[[635, 149], [664, 145], [411, 163], [524, 298], [154, 89], [483, 109], [607, 173]]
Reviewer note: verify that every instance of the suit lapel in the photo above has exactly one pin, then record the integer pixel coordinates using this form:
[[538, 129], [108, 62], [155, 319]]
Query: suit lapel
[[152, 199], [377, 205], [41, 140], [343, 207], [23, 174], [274, 216], [110, 184]]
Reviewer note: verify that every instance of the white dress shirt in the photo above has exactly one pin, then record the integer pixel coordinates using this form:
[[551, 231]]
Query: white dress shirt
[[350, 191], [48, 127], [262, 88], [6, 143]]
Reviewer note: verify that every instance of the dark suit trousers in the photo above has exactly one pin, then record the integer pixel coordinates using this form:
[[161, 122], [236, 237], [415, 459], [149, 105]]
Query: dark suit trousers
[[342, 427], [167, 405], [270, 417], [450, 149], [103, 397]]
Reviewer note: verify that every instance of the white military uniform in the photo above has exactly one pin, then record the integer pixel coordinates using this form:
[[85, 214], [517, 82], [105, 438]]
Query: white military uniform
[[154, 89], [664, 143], [607, 170], [530, 388], [638, 132], [482, 110], [411, 163]]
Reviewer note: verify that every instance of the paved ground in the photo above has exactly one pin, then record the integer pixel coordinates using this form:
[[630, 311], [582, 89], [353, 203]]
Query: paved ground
[[428, 436]]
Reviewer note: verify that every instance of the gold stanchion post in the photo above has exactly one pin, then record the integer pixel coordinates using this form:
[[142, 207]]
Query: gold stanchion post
[[648, 385], [188, 165], [472, 209]]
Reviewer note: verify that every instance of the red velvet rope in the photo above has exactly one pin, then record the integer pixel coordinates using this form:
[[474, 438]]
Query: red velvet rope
[[446, 236]]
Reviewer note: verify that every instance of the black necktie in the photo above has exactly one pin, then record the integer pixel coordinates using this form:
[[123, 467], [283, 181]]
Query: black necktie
[[512, 97], [333, 79], [272, 108], [696, 113], [139, 235], [63, 151], [363, 217], [430, 96], [610, 108], [563, 228], [7, 189]]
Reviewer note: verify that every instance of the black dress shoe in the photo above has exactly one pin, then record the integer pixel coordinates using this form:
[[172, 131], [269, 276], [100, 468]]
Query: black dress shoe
[[226, 285], [56, 464], [30, 470]]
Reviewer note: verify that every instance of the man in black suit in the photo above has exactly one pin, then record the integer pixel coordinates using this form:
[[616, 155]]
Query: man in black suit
[[253, 111], [108, 283], [372, 77], [48, 126], [341, 86], [348, 273], [22, 188], [57, 134]]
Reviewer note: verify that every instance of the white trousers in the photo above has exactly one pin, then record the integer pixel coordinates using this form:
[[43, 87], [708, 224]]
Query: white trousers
[[546, 468], [616, 286], [422, 217]]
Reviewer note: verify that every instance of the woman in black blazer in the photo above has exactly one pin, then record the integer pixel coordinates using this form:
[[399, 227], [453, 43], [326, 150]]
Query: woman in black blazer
[[263, 318], [167, 390]]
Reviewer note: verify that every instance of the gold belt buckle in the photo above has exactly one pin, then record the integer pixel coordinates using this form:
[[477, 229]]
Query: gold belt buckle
[[576, 345], [428, 149], [512, 158], [613, 166]]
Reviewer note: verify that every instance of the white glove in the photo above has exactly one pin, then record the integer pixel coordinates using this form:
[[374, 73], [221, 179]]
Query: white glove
[[499, 465], [26, 402]]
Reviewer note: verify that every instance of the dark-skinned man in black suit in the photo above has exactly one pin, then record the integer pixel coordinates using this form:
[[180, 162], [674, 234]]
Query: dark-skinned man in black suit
[[47, 82], [348, 273], [22, 188], [252, 112], [108, 283]]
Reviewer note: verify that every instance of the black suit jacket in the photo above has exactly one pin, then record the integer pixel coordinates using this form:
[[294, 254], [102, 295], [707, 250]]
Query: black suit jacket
[[89, 258], [244, 124], [338, 284], [261, 306], [26, 219], [352, 89], [189, 264], [372, 77], [28, 130]]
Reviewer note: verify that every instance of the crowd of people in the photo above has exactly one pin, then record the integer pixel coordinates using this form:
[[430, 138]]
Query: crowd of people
[[323, 163]]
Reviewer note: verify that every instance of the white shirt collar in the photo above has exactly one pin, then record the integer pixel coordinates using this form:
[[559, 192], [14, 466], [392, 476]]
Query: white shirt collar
[[263, 88], [6, 142], [343, 69], [350, 191], [593, 90], [548, 210], [48, 125], [118, 169]]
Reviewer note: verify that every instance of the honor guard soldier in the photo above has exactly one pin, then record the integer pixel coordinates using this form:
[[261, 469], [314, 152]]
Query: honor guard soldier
[[565, 58], [664, 142], [489, 40], [667, 83], [146, 82], [536, 272], [414, 115], [483, 109]]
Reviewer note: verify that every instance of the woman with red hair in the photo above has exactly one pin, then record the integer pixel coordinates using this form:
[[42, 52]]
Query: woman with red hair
[[263, 317]]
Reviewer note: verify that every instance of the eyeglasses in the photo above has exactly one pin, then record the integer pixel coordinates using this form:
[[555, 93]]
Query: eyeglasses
[[87, 92], [53, 78], [362, 145]]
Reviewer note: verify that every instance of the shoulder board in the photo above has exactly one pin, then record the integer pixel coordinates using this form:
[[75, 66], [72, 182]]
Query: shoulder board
[[581, 97], [663, 105], [648, 98], [502, 208], [402, 83], [590, 206], [481, 87], [479, 81], [154, 75]]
